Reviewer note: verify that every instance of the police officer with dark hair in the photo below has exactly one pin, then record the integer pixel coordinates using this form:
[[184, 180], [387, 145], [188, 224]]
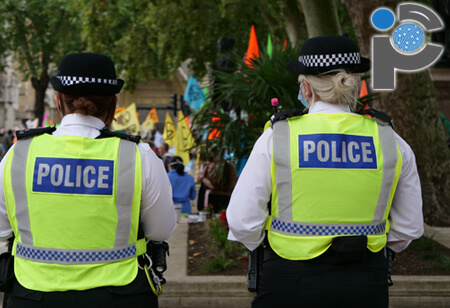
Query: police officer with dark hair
[[342, 186], [76, 197]]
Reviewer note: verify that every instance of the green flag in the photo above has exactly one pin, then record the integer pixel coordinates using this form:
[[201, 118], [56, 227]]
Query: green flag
[[269, 46]]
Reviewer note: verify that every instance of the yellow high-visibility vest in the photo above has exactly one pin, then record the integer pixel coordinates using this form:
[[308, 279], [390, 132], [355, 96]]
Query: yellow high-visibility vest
[[73, 204], [332, 175]]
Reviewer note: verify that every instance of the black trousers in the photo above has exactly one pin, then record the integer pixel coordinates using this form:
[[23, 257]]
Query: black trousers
[[136, 294], [320, 283]]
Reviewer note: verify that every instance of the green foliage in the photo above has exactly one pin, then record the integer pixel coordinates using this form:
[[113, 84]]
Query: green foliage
[[250, 91], [38, 33], [225, 251], [152, 38], [217, 264]]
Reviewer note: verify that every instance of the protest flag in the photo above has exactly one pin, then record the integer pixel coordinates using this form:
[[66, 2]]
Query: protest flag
[[119, 110], [252, 49], [148, 124], [364, 95], [169, 131], [269, 46], [46, 121], [127, 120], [183, 138], [194, 94], [285, 44], [214, 133], [152, 114]]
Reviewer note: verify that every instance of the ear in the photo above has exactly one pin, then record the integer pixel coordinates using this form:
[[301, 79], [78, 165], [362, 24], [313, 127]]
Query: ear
[[58, 102], [307, 92]]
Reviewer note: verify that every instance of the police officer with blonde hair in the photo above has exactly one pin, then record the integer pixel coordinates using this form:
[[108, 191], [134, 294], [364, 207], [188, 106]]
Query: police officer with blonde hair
[[327, 191], [81, 200]]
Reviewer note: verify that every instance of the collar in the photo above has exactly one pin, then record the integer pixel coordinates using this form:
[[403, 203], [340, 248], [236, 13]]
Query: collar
[[323, 107], [83, 120]]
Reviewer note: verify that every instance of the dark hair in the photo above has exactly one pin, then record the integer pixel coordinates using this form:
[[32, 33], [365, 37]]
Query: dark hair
[[165, 146], [93, 105], [177, 163]]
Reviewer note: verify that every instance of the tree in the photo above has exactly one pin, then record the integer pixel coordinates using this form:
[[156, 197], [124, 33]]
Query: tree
[[414, 108], [321, 17], [38, 33], [152, 38]]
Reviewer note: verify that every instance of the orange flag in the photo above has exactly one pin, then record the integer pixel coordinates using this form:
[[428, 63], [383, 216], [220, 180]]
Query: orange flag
[[362, 95], [364, 90], [285, 44], [214, 133], [252, 50], [152, 114]]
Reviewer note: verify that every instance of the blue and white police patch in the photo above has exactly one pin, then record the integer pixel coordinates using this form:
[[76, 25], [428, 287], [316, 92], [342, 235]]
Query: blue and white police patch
[[337, 151], [73, 176]]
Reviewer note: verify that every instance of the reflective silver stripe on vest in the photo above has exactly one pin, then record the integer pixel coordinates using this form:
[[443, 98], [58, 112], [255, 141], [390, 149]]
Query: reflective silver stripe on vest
[[18, 167], [315, 229], [125, 191], [281, 157], [284, 222], [124, 199], [75, 256], [389, 150]]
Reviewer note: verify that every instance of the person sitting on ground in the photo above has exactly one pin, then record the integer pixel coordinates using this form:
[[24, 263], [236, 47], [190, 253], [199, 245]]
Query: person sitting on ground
[[183, 185]]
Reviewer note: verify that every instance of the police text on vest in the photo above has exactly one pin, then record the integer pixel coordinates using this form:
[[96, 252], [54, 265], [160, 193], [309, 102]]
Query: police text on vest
[[73, 176], [336, 151]]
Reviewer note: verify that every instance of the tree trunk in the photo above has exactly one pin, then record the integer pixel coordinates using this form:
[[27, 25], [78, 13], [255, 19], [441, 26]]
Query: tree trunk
[[321, 17], [40, 86], [414, 108], [294, 21]]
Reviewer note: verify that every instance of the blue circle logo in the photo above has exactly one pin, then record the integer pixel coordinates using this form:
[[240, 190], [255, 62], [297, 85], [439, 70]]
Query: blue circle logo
[[408, 37], [383, 19]]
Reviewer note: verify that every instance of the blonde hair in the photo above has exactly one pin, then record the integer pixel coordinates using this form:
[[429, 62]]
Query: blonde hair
[[340, 89]]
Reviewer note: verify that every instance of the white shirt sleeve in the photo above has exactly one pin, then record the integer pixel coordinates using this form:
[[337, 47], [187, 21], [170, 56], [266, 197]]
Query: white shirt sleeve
[[405, 217], [248, 210], [158, 218], [5, 226]]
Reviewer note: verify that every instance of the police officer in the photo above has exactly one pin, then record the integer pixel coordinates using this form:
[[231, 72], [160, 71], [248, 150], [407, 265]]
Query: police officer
[[341, 187], [76, 197]]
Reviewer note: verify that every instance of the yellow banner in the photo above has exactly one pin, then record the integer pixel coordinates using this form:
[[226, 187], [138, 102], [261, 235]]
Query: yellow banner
[[148, 125], [127, 120], [183, 139], [169, 131]]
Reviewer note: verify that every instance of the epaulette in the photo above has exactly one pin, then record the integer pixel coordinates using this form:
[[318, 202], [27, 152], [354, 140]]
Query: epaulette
[[105, 133], [283, 115], [379, 116], [31, 132]]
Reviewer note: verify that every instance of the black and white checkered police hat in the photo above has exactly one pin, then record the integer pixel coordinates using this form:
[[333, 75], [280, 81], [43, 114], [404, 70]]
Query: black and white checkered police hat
[[86, 74], [322, 54]]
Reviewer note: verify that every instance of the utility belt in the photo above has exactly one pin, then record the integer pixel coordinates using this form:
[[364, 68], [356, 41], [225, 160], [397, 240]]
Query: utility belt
[[344, 249]]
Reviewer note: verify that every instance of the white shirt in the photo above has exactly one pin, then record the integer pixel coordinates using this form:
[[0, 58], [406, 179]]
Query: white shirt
[[247, 210], [157, 216]]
